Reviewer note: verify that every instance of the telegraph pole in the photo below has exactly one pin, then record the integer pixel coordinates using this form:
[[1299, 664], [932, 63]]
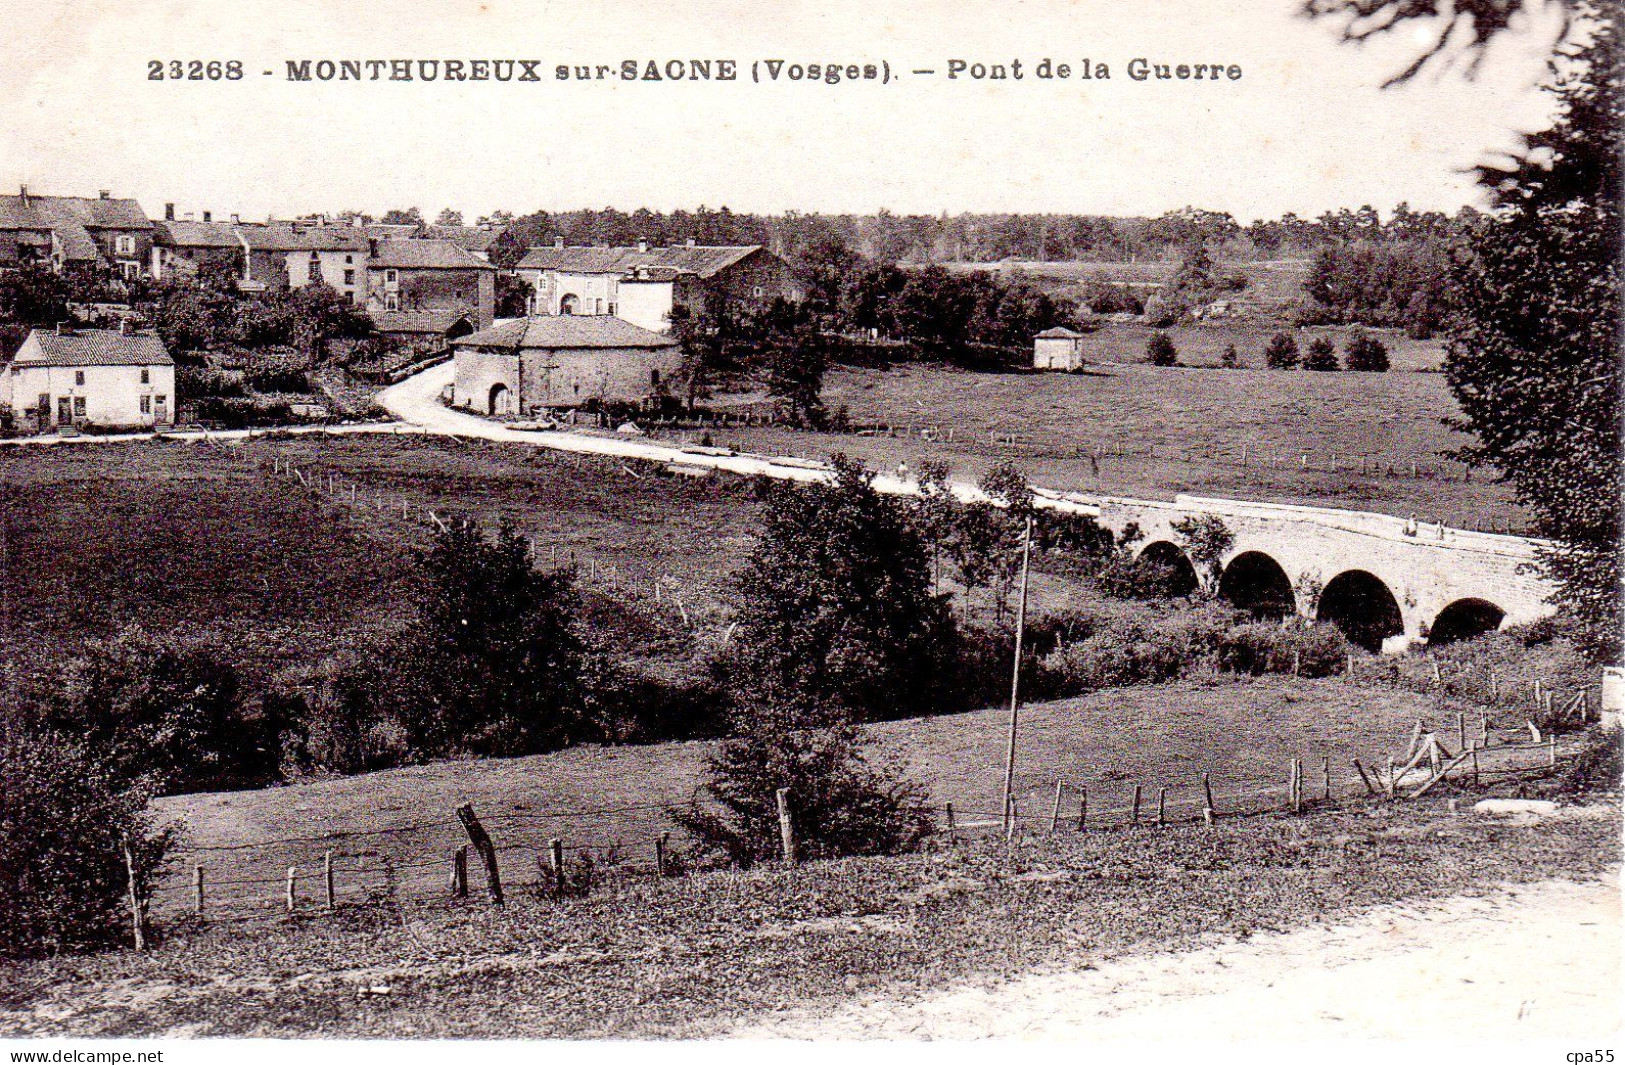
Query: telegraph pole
[[1015, 673]]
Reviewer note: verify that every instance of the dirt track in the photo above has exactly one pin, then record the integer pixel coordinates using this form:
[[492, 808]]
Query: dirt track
[[1534, 961]]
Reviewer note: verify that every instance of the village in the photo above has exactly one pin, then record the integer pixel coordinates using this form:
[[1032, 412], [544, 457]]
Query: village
[[1001, 557]]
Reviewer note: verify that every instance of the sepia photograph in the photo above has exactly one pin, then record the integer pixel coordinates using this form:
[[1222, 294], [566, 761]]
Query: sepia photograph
[[742, 526]]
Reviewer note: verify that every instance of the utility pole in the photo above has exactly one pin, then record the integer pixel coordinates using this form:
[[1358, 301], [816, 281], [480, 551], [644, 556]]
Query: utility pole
[[1015, 673]]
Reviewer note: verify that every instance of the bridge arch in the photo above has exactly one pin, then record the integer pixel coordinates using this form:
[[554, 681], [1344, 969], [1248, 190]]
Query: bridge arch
[[1463, 620], [1180, 572], [1360, 604], [1255, 582]]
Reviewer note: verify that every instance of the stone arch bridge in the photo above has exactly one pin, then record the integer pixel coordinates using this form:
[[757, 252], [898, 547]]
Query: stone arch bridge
[[1387, 582]]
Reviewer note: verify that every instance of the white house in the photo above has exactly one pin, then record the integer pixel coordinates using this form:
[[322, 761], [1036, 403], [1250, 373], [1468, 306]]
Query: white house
[[1058, 348], [90, 377]]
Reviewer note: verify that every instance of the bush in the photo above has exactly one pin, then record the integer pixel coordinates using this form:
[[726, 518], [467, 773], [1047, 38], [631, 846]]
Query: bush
[[64, 817], [1365, 352], [242, 413], [1160, 350], [1322, 355], [196, 382], [1259, 647], [1126, 577], [277, 379], [840, 803], [343, 719], [1597, 767], [1117, 656], [160, 712], [1231, 359], [1281, 353]]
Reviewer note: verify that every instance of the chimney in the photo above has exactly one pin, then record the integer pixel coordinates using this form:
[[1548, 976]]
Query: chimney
[[106, 194], [643, 245], [558, 242], [690, 242], [24, 194], [372, 247], [169, 212], [236, 220], [124, 327], [208, 216]]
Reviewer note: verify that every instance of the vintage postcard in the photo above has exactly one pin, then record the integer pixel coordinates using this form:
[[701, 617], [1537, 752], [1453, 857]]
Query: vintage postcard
[[1084, 521]]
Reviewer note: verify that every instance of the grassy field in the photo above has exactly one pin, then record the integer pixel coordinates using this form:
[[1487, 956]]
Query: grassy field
[[694, 957], [1242, 731], [1203, 345], [1305, 434], [1274, 287], [203, 540]]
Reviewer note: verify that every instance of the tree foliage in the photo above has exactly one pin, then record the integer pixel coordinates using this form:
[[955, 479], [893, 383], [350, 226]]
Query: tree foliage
[[1366, 353], [1322, 355], [837, 608], [1281, 353], [1534, 360], [1160, 350]]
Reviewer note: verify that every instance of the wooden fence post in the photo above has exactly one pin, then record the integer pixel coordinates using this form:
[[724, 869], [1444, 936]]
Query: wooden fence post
[[138, 909], [1326, 777], [948, 812], [1083, 807], [660, 855], [1162, 807], [1483, 730], [459, 872], [1055, 811], [327, 880], [787, 828], [1360, 769], [1551, 749], [1209, 811], [1461, 730], [555, 849], [293, 882], [1136, 818], [1292, 785], [197, 890], [1392, 776], [487, 851]]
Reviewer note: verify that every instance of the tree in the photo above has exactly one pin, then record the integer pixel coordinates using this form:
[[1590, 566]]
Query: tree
[[1160, 350], [493, 663], [1365, 352], [841, 804], [1322, 355], [411, 216], [1231, 359], [1533, 356], [513, 294], [159, 714], [1207, 540], [795, 364], [65, 818], [33, 295], [449, 216], [1281, 353], [836, 605]]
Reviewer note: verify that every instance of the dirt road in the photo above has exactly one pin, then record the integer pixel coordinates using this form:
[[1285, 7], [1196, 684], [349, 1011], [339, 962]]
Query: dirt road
[[1534, 961]]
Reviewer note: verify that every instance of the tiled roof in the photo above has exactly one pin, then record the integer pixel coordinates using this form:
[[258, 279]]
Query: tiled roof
[[181, 234], [96, 347], [425, 255], [285, 236], [473, 238], [567, 331], [1058, 332], [685, 258], [71, 218], [434, 321]]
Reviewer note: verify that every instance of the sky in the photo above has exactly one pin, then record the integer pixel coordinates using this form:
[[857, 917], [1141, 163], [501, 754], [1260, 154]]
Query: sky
[[1306, 128]]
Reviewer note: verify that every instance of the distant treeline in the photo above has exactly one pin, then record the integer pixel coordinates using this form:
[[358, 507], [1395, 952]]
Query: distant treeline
[[891, 238]]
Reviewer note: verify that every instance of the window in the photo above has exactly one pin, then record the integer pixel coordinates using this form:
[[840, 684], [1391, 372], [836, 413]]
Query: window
[[146, 376], [146, 404], [389, 277], [79, 378], [349, 277], [349, 259], [125, 244], [315, 269], [654, 378], [392, 302], [757, 291], [612, 307], [130, 270], [78, 406], [598, 306]]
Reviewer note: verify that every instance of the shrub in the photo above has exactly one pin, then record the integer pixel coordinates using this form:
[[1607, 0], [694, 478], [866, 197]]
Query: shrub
[[1117, 656], [1322, 355], [1365, 352], [1126, 577], [1160, 350], [840, 803], [1259, 647], [277, 379], [158, 711], [64, 817], [343, 719], [195, 382], [1597, 766], [1281, 353], [1231, 359]]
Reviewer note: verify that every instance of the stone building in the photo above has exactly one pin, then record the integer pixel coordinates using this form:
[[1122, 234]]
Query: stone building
[[1058, 348], [72, 377], [430, 275], [557, 361]]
